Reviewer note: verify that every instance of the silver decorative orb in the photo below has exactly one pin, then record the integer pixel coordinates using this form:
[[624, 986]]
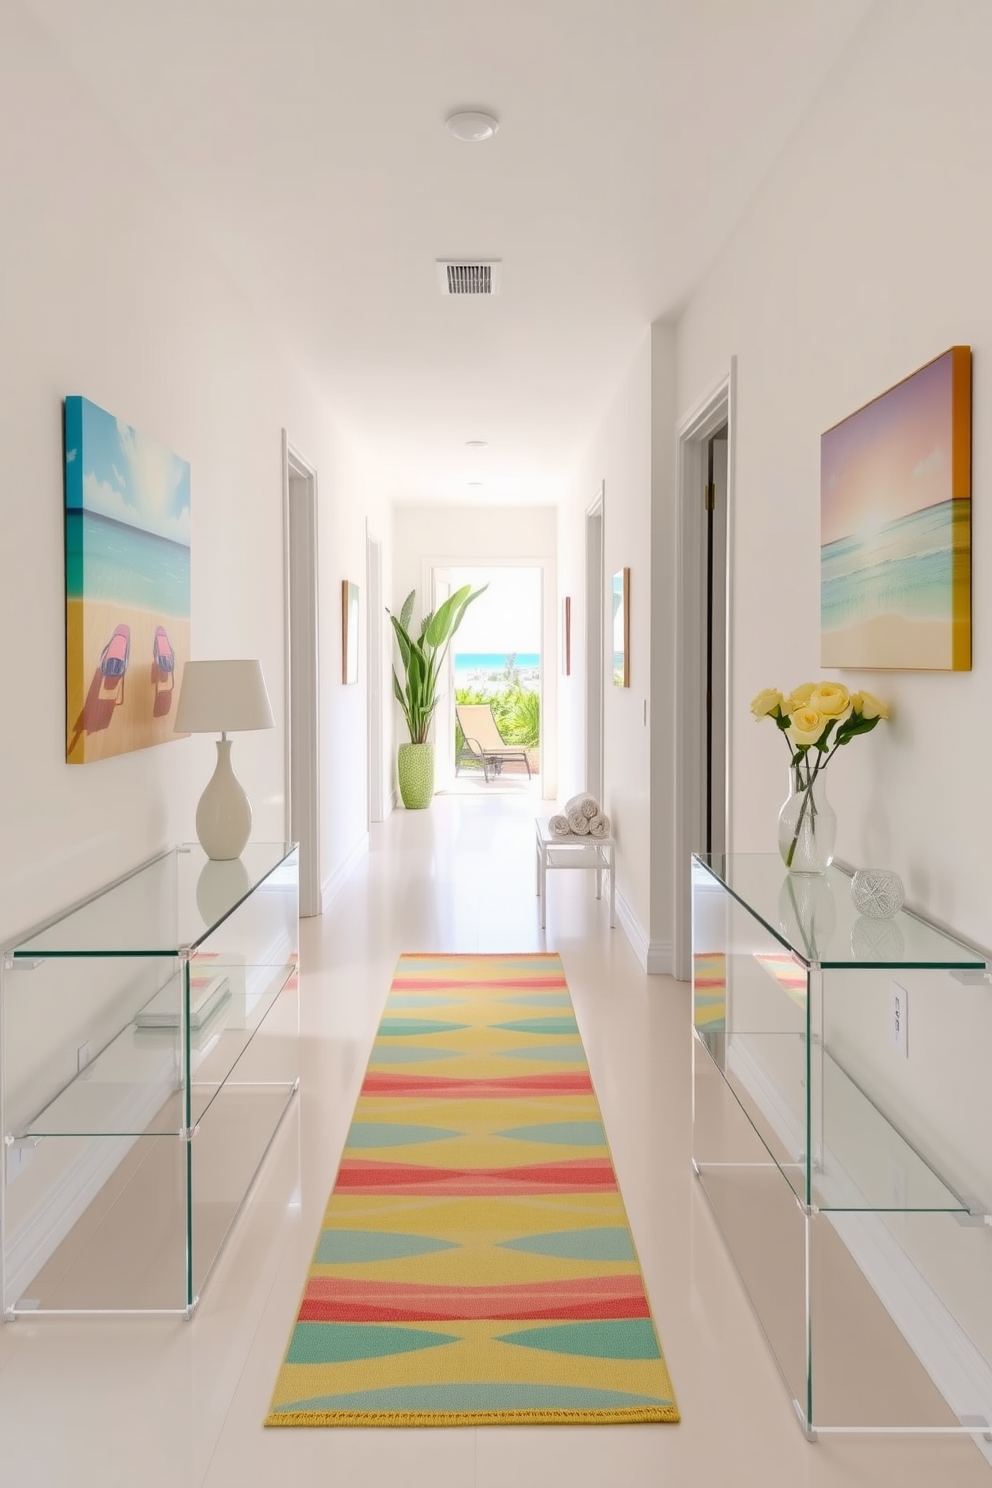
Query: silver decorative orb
[[877, 892]]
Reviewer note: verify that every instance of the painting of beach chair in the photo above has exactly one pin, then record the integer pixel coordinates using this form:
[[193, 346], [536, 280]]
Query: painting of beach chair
[[165, 657], [115, 656]]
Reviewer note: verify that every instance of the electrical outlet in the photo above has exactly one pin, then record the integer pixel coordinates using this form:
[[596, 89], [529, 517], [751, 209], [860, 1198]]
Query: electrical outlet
[[899, 1019]]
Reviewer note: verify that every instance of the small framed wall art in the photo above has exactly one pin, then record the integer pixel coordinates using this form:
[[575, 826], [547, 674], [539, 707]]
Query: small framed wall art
[[349, 632], [621, 628], [895, 526], [566, 636]]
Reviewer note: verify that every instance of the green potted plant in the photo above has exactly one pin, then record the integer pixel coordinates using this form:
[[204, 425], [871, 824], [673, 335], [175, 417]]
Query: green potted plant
[[422, 658]]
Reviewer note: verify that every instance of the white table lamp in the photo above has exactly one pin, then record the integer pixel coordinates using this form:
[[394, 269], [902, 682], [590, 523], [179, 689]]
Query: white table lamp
[[222, 697]]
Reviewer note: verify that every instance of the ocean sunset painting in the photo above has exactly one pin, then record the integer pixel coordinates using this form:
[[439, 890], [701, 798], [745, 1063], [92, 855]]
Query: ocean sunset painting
[[127, 584], [895, 524]]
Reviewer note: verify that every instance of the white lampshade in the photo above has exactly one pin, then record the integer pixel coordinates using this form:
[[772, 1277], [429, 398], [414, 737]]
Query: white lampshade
[[222, 697]]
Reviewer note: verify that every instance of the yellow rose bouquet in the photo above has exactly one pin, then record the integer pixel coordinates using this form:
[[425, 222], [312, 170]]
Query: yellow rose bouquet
[[817, 719]]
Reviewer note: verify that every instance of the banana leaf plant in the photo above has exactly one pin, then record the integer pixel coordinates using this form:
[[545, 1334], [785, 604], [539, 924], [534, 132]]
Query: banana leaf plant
[[424, 655]]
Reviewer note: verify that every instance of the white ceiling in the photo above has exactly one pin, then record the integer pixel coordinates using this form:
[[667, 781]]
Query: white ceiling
[[307, 139]]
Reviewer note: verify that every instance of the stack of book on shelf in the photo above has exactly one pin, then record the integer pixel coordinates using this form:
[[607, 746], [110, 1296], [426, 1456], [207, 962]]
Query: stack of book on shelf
[[207, 991]]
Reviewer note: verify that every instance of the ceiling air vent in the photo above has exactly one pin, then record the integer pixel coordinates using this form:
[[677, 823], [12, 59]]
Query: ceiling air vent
[[464, 278]]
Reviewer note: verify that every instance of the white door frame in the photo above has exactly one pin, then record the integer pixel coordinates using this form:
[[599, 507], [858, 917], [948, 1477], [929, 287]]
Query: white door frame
[[595, 644], [548, 568], [374, 675], [299, 484], [694, 431]]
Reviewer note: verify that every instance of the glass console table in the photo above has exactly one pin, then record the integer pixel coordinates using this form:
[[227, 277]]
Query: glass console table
[[842, 1144], [150, 1047]]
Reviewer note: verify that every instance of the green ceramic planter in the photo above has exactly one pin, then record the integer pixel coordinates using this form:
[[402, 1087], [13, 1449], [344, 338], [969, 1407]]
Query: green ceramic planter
[[416, 771]]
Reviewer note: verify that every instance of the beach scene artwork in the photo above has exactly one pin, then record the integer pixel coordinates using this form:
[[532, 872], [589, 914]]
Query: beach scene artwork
[[127, 584], [895, 521]]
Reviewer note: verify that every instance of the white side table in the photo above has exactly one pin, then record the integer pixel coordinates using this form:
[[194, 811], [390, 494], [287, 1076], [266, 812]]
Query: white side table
[[597, 853]]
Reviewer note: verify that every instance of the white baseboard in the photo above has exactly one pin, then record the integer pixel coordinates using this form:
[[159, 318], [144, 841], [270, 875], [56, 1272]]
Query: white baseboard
[[960, 1372], [661, 958], [655, 956], [332, 886]]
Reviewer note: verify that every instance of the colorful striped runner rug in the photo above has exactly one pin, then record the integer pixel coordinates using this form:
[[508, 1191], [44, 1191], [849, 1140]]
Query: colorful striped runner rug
[[475, 1265]]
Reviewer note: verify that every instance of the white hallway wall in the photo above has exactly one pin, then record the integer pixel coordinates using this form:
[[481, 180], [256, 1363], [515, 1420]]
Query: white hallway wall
[[424, 536], [107, 290], [631, 455], [865, 255]]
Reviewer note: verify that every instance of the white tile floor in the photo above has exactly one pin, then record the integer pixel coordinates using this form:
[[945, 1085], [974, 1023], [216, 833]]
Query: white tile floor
[[128, 1402]]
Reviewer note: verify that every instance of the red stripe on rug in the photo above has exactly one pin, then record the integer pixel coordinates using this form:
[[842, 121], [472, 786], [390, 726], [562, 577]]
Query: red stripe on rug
[[341, 1299], [577, 1175], [420, 984], [431, 1087]]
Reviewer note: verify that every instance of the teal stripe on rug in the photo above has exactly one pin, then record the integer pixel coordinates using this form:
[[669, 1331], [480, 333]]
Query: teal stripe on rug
[[616, 1338], [402, 1027], [410, 1054], [558, 1053], [393, 1134], [540, 999], [538, 1025], [355, 1247], [419, 999], [607, 1243], [563, 1133], [336, 1343], [473, 1397]]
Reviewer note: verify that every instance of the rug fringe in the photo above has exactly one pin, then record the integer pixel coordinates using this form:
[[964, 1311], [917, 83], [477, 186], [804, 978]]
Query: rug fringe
[[632, 1415]]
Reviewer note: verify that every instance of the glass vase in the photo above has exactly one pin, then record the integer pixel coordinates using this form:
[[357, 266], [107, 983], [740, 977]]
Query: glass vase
[[807, 823]]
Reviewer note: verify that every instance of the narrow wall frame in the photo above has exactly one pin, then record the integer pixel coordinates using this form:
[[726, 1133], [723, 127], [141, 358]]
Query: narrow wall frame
[[620, 591], [349, 632]]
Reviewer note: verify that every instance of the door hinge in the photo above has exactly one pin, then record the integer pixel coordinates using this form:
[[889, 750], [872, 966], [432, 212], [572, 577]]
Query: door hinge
[[709, 498]]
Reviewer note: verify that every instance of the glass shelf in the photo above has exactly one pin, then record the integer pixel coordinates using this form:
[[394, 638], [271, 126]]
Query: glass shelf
[[861, 1150], [815, 917], [166, 1005], [832, 1150], [172, 903], [126, 1090]]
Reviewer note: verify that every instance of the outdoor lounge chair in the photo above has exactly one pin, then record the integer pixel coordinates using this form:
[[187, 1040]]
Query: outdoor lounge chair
[[483, 744]]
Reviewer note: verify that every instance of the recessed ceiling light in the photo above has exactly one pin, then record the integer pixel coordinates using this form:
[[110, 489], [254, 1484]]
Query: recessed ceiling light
[[475, 485], [472, 125], [476, 444]]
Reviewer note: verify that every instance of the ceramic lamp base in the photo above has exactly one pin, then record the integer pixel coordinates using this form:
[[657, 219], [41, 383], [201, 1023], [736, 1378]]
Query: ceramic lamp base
[[223, 817]]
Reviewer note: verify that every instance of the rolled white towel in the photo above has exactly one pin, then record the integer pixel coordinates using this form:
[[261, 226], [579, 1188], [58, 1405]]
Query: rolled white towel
[[558, 825], [578, 821], [583, 802], [599, 825]]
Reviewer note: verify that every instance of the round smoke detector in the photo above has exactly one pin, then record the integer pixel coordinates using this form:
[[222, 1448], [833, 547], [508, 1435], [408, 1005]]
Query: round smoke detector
[[472, 125]]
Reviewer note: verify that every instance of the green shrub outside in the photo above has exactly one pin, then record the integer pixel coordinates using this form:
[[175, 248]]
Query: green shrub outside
[[516, 709]]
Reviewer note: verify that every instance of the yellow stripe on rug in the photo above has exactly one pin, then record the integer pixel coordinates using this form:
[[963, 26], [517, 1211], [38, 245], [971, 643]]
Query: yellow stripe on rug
[[475, 1265]]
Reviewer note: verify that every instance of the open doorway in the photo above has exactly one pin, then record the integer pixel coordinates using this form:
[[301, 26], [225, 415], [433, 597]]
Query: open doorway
[[495, 661], [302, 672], [374, 673], [705, 479], [594, 646]]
